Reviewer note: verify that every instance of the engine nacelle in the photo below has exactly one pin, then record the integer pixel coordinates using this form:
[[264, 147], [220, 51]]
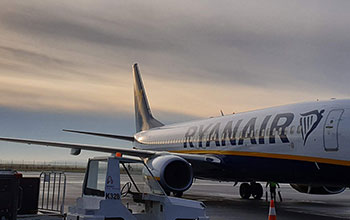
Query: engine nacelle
[[75, 151], [318, 190], [175, 173]]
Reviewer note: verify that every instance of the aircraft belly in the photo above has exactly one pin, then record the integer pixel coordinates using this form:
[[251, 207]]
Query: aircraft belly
[[248, 168]]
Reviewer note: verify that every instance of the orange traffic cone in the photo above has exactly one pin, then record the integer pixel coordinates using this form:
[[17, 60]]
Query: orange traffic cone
[[272, 211]]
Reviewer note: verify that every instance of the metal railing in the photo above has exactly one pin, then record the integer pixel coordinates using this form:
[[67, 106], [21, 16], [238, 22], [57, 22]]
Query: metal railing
[[52, 191]]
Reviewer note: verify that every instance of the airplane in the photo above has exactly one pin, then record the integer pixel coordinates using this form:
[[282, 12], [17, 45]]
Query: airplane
[[303, 144]]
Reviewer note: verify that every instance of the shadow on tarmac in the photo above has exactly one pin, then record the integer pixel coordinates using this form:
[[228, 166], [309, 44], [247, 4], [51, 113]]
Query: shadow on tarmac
[[236, 208]]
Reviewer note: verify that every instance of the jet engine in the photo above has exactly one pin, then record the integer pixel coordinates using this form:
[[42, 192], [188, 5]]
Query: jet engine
[[175, 173], [318, 190]]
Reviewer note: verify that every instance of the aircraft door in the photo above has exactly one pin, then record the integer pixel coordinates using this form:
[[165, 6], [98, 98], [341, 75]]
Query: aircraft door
[[330, 132]]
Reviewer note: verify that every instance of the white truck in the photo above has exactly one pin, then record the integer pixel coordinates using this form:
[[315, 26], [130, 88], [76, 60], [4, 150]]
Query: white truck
[[140, 197]]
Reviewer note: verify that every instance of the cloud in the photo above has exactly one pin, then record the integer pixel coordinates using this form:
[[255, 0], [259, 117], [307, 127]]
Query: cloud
[[196, 57]]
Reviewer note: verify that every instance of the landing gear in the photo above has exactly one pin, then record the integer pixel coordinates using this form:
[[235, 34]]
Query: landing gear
[[245, 190], [253, 189], [178, 194], [257, 190]]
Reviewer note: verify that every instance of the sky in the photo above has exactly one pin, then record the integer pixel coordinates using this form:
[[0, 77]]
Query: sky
[[67, 64]]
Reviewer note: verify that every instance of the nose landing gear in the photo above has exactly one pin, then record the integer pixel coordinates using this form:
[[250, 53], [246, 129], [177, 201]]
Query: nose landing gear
[[253, 189]]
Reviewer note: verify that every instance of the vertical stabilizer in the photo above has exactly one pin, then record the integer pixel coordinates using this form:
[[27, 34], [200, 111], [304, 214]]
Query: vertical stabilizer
[[143, 115]]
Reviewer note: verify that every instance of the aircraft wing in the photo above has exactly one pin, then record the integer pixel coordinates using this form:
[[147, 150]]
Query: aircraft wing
[[113, 150], [121, 137]]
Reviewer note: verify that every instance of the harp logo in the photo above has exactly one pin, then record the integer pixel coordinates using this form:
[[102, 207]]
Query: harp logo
[[309, 122]]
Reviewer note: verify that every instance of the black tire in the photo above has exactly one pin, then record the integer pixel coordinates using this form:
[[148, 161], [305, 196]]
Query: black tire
[[257, 190], [245, 190]]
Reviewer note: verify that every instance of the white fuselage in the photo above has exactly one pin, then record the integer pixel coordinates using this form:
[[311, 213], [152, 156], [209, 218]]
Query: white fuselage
[[315, 132]]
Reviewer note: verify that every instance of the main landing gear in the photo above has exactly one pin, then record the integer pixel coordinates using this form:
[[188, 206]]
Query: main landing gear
[[253, 189], [176, 194]]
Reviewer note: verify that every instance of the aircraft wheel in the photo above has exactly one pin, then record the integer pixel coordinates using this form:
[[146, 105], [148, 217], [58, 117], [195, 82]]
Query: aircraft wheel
[[178, 194], [257, 190], [245, 190]]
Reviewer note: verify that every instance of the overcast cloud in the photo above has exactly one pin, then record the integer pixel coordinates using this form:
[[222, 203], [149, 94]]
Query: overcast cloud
[[67, 64], [236, 55]]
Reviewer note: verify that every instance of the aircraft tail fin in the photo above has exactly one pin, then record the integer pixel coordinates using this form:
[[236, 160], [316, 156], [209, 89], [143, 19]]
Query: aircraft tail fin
[[143, 115]]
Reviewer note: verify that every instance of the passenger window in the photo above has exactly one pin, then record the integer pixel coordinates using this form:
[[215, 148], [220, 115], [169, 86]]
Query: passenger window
[[299, 129], [280, 131], [292, 129], [233, 136], [262, 132]]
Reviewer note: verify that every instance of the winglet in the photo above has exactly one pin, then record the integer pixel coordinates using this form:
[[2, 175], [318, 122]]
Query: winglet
[[143, 115]]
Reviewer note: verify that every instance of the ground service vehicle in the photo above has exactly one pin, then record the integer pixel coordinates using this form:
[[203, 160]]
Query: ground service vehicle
[[125, 189]]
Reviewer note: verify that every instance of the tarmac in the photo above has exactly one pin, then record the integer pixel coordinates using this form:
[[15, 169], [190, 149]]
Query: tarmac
[[223, 201]]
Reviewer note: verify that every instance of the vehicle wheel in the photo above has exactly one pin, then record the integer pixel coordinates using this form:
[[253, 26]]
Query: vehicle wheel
[[245, 190], [257, 190], [178, 194]]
